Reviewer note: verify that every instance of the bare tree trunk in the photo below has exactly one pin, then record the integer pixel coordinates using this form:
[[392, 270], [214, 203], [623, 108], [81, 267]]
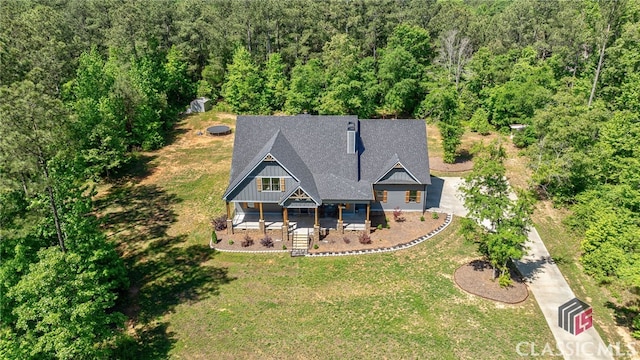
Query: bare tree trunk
[[24, 185], [595, 80], [54, 210]]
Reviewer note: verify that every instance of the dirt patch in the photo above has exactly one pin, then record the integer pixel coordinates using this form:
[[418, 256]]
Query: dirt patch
[[477, 278], [461, 165]]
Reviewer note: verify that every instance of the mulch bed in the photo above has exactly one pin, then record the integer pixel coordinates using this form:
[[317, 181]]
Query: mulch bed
[[476, 278], [398, 233], [462, 164]]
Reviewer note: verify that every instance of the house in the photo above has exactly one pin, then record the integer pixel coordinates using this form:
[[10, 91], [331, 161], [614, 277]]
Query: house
[[328, 172]]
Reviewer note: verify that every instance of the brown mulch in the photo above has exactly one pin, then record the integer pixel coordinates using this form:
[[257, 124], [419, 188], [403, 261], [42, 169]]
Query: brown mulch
[[462, 164], [402, 232], [476, 278], [398, 233]]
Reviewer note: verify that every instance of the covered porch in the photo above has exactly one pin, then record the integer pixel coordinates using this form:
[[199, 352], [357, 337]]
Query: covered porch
[[318, 220]]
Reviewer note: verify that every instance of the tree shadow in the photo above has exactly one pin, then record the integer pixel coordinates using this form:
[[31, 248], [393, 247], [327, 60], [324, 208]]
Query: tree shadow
[[626, 313], [137, 168], [163, 270]]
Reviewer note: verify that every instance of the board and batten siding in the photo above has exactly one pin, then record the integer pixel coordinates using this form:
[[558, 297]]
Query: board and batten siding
[[397, 197], [396, 176], [247, 191]]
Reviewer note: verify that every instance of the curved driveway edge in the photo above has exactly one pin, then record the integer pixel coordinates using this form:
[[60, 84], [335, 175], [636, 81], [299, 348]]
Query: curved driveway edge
[[542, 275]]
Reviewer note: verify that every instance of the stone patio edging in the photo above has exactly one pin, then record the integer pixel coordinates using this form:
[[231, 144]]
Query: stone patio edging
[[415, 242]]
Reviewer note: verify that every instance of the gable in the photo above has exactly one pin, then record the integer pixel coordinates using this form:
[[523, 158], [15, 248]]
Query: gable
[[299, 199], [397, 175], [249, 188]]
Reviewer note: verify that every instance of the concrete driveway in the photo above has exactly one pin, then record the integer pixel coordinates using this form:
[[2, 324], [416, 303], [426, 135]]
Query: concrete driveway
[[443, 195], [543, 277]]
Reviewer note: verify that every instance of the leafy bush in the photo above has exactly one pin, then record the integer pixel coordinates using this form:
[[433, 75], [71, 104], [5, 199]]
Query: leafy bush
[[636, 327], [504, 280], [219, 223], [214, 237], [267, 241], [364, 238], [379, 227], [230, 242], [315, 246], [397, 215], [388, 226], [247, 241], [346, 240], [284, 247], [421, 218], [435, 216], [480, 122], [524, 137]]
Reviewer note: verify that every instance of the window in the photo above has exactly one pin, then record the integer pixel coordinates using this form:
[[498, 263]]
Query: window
[[413, 196], [269, 184], [381, 196]]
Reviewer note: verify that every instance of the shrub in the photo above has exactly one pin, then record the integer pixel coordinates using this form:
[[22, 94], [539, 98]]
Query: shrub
[[388, 226], [524, 137], [504, 280], [480, 122], [364, 238], [435, 216], [421, 218], [247, 241], [379, 227], [219, 223], [267, 241], [230, 242], [315, 246], [397, 214], [284, 247], [214, 237], [346, 240]]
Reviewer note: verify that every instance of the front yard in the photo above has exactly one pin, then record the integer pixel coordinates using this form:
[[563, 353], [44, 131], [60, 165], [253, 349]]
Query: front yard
[[188, 301]]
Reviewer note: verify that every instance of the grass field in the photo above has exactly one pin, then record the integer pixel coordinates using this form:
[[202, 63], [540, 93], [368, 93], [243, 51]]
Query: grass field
[[189, 302]]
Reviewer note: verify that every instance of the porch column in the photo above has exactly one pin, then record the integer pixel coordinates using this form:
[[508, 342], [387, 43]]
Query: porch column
[[261, 222], [229, 220], [367, 221], [316, 228], [340, 223], [285, 224]]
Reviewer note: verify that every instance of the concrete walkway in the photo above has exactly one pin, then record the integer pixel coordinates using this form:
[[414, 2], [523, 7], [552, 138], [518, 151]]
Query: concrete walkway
[[551, 290], [544, 278]]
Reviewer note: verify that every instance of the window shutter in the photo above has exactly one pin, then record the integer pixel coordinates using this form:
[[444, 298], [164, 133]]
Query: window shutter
[[384, 196], [282, 184], [346, 207], [406, 196], [259, 184], [418, 196]]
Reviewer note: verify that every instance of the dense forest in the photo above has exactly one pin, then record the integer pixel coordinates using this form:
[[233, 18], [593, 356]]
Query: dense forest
[[85, 84]]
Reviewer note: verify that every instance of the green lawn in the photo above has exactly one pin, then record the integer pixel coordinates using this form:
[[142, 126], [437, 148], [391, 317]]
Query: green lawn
[[187, 301], [399, 305]]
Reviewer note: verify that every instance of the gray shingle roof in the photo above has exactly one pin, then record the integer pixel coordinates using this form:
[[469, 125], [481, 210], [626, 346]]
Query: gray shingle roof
[[381, 139], [314, 150]]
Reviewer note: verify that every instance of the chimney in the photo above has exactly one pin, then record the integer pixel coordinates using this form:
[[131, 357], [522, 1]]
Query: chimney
[[351, 138]]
